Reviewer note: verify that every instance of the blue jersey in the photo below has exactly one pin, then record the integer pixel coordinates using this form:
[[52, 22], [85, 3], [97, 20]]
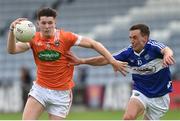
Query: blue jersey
[[148, 74]]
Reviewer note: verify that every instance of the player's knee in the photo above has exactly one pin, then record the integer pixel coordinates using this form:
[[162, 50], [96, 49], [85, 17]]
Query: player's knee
[[129, 117]]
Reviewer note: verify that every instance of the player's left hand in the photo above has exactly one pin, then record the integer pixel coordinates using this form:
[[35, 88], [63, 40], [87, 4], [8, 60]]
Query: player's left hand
[[168, 60]]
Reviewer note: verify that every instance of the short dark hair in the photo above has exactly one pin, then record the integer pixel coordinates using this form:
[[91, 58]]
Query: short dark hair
[[49, 12], [144, 29]]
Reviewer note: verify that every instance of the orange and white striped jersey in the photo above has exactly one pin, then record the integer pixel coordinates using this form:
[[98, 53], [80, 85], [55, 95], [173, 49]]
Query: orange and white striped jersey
[[53, 71]]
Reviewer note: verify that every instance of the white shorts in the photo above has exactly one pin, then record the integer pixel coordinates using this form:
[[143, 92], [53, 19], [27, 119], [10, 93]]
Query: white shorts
[[155, 108], [56, 102]]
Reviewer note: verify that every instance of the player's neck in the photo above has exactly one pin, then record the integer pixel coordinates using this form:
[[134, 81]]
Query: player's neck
[[48, 36]]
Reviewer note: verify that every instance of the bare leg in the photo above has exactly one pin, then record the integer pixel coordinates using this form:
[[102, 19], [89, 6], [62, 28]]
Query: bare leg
[[33, 109], [134, 109]]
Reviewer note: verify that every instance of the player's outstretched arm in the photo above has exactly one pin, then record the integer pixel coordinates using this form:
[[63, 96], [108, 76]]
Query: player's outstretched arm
[[90, 43], [168, 58], [94, 61], [12, 46]]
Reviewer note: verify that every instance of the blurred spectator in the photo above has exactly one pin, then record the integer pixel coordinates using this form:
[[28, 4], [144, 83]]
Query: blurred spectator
[[82, 75], [26, 83], [79, 90]]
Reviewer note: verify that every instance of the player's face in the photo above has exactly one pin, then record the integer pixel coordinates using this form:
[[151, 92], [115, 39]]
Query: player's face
[[137, 40], [47, 26]]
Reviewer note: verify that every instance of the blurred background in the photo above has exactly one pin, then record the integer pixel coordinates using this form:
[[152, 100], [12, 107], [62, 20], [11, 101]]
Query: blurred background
[[107, 21]]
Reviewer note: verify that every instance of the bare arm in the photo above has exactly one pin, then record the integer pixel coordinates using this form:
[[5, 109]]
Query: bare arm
[[90, 43], [100, 61], [12, 46], [95, 61], [168, 56], [106, 57]]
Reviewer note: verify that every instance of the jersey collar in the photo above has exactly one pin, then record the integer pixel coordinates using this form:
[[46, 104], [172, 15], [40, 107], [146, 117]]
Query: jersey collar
[[138, 54]]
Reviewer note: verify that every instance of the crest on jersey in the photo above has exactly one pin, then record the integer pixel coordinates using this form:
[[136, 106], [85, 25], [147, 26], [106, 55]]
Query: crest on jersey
[[147, 57], [57, 43]]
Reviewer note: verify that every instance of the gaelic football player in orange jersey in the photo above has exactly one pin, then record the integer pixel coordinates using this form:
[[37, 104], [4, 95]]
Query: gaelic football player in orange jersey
[[52, 88]]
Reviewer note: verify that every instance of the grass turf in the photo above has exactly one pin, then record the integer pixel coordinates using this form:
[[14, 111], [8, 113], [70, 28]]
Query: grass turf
[[91, 115]]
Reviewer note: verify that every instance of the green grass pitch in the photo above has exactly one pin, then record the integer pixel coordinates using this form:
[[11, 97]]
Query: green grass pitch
[[91, 115]]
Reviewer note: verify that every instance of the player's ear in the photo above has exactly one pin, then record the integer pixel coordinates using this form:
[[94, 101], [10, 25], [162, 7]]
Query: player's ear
[[146, 39]]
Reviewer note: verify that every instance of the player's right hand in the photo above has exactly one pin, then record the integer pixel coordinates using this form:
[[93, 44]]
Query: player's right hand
[[17, 21]]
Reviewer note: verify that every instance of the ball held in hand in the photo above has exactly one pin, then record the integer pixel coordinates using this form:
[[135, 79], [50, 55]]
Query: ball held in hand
[[25, 31]]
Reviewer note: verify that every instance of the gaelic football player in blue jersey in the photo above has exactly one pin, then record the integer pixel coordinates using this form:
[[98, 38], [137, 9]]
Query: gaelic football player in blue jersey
[[149, 62]]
